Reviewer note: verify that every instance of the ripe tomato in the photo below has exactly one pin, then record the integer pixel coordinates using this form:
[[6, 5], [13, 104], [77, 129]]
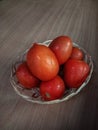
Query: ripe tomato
[[62, 47], [52, 89], [42, 62], [77, 53], [75, 72], [25, 77]]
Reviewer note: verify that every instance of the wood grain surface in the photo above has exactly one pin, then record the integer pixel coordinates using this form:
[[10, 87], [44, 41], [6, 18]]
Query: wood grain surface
[[23, 22]]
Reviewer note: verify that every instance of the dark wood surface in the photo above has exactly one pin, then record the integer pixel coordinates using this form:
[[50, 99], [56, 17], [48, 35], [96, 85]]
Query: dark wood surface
[[26, 21]]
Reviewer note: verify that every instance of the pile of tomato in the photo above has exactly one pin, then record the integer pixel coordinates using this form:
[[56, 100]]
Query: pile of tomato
[[53, 69]]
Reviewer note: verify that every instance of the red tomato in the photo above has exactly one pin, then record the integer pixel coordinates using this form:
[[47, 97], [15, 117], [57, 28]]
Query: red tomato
[[52, 89], [42, 62], [77, 53], [25, 77], [62, 47], [75, 72]]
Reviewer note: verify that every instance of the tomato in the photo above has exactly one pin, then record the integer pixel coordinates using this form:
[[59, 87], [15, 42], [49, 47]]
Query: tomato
[[75, 72], [62, 47], [25, 77], [77, 53], [52, 89], [42, 62]]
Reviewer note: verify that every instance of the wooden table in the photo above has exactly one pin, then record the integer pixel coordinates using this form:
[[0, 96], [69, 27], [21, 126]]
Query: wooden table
[[26, 21]]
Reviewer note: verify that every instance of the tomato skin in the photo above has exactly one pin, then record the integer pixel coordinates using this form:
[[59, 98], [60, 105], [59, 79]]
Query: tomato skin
[[62, 47], [25, 77], [75, 72], [42, 62], [52, 89], [76, 53]]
